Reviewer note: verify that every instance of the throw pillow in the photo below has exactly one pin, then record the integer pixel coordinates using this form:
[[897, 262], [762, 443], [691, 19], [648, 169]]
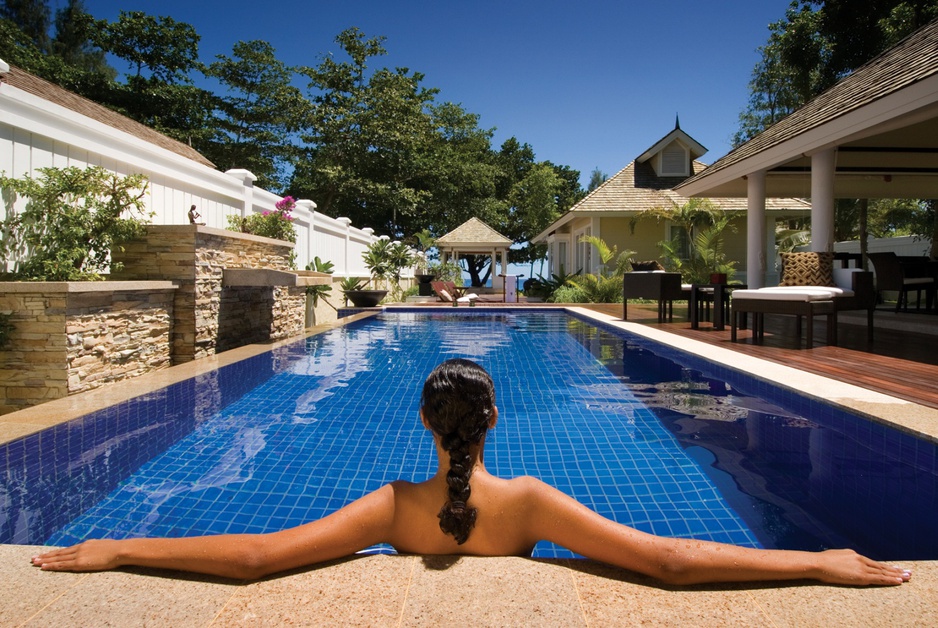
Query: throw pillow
[[807, 269], [646, 266]]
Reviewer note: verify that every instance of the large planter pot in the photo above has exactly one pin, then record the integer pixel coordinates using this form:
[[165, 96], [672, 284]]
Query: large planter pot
[[424, 288], [365, 298]]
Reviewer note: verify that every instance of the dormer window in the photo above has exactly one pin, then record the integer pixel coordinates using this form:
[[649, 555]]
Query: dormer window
[[673, 161]]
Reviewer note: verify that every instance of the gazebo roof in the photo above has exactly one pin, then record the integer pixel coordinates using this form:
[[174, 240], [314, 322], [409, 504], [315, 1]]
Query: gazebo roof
[[473, 235]]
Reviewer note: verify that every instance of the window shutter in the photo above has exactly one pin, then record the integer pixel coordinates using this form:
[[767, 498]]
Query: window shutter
[[674, 161]]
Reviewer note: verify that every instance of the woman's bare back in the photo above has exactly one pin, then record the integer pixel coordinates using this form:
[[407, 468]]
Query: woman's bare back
[[501, 528]]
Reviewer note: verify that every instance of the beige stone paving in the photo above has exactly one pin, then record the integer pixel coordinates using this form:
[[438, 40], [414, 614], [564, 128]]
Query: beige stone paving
[[434, 591]]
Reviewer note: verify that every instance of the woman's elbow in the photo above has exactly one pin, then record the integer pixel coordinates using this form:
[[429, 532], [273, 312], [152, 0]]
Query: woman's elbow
[[251, 560], [674, 568]]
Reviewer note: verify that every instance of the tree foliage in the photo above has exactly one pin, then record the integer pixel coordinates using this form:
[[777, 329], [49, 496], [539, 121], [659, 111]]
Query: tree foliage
[[367, 142], [258, 114], [817, 43]]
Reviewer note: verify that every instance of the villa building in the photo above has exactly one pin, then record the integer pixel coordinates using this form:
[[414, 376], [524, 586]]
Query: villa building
[[610, 211]]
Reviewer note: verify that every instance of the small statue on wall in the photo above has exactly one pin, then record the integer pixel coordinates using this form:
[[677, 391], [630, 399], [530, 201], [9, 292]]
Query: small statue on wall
[[194, 216]]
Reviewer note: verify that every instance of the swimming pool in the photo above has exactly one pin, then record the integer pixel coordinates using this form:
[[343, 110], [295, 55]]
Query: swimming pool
[[673, 447]]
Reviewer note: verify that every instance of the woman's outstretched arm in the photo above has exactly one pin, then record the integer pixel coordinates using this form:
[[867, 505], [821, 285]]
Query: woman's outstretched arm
[[558, 518], [362, 523]]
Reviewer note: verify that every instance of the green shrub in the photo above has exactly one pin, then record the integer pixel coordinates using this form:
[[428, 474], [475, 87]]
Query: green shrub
[[568, 294], [276, 224], [72, 219]]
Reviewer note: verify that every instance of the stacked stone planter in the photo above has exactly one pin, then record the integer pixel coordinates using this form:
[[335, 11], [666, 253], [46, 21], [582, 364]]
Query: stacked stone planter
[[210, 317], [70, 337]]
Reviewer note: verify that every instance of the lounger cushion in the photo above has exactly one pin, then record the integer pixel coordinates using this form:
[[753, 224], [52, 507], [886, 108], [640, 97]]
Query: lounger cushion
[[469, 297], [446, 295], [807, 269], [791, 294]]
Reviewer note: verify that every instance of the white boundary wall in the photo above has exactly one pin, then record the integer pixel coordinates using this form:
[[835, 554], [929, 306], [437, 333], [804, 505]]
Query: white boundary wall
[[35, 133], [911, 246]]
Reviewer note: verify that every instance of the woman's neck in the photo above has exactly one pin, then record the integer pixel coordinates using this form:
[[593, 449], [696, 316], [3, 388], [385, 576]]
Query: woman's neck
[[475, 455]]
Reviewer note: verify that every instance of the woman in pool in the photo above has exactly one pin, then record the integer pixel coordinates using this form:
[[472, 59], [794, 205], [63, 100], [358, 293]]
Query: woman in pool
[[464, 510]]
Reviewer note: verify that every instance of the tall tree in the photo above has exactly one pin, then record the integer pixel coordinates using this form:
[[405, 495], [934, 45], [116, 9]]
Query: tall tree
[[260, 112], [72, 43], [597, 178], [818, 43], [367, 135], [161, 54], [31, 17], [156, 47]]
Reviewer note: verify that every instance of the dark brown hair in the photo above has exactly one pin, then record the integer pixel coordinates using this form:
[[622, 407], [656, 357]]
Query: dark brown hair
[[457, 403]]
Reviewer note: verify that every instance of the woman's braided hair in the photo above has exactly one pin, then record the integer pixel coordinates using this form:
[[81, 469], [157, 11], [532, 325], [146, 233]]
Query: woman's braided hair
[[457, 402]]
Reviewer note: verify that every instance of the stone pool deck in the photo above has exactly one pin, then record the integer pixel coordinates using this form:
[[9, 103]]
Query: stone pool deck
[[432, 591], [417, 591]]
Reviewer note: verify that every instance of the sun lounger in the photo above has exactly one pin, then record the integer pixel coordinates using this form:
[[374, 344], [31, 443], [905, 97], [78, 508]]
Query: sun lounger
[[813, 288]]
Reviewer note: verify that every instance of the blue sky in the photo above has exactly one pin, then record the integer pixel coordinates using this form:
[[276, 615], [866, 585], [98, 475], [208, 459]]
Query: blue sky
[[588, 84]]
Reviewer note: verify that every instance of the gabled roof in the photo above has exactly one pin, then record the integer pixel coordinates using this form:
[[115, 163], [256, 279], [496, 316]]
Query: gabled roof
[[696, 149], [893, 91], [637, 188], [474, 232], [51, 92]]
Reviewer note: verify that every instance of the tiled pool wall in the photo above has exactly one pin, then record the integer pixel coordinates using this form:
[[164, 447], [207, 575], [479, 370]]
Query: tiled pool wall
[[71, 466]]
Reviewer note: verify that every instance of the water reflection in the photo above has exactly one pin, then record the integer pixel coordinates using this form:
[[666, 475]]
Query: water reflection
[[799, 482]]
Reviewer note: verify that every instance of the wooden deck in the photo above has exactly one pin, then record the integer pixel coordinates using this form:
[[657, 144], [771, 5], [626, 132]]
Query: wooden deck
[[901, 363]]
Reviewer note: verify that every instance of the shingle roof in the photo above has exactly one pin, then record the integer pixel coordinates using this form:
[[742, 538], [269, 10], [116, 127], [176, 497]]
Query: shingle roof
[[474, 231], [913, 59], [637, 188], [25, 81]]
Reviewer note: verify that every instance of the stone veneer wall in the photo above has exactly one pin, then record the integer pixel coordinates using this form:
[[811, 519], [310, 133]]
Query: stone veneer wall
[[70, 337], [208, 318]]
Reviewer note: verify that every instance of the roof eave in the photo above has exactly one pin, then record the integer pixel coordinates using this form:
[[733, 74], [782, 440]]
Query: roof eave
[[913, 103]]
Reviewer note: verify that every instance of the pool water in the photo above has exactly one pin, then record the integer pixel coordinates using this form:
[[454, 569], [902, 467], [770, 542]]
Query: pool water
[[672, 449]]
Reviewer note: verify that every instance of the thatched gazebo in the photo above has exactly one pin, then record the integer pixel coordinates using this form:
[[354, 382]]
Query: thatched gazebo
[[474, 237]]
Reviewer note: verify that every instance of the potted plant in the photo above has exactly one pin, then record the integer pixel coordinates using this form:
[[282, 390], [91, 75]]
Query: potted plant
[[423, 242], [354, 290]]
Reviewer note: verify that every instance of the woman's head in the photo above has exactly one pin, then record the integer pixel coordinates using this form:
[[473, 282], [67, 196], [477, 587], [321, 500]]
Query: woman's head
[[458, 404], [458, 396]]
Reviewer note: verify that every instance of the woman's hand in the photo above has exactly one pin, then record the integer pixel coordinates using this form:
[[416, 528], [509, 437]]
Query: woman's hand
[[847, 567], [93, 555]]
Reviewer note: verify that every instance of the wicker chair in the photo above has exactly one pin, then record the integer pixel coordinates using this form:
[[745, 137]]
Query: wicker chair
[[890, 275]]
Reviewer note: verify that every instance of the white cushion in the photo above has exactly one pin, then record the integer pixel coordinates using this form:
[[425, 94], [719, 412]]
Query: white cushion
[[446, 295], [469, 297], [834, 291], [914, 281], [786, 293]]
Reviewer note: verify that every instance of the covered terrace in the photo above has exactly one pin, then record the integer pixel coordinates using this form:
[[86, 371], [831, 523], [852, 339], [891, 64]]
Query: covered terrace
[[872, 135]]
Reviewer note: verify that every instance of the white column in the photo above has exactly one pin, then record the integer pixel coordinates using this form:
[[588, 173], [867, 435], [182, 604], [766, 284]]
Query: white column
[[755, 229], [310, 207], [247, 178], [822, 200], [346, 223]]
